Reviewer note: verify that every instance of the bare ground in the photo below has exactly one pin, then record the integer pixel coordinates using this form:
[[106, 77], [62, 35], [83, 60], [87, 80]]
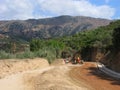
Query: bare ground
[[13, 66], [59, 76], [89, 75]]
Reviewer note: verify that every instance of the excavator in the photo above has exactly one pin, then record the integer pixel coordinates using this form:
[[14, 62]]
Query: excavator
[[74, 59]]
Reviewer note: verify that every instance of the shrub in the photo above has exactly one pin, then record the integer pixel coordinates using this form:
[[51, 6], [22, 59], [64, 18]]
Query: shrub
[[116, 38]]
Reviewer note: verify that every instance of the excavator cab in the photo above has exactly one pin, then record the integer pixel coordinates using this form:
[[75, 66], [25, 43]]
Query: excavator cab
[[77, 59]]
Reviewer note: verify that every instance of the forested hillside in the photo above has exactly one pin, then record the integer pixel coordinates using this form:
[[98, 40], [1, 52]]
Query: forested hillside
[[87, 43]]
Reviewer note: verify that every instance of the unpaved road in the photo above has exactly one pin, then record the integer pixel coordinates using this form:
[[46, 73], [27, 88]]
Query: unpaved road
[[50, 78], [61, 77], [89, 76]]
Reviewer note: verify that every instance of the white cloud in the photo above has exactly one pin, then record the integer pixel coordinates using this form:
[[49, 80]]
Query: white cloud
[[16, 9], [76, 7], [24, 9]]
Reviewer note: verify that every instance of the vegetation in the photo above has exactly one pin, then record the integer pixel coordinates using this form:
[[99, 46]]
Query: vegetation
[[49, 27], [102, 37], [28, 54], [116, 38]]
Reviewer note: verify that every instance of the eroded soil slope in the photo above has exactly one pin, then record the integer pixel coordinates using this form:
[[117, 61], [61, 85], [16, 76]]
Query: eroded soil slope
[[13, 66]]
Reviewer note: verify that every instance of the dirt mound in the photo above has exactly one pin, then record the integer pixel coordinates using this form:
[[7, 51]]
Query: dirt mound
[[58, 62], [12, 66]]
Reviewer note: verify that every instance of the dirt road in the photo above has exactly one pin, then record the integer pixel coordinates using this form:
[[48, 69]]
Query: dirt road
[[61, 77], [89, 76]]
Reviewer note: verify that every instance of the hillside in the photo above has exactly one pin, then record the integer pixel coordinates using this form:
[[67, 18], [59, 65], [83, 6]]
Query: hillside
[[92, 45], [49, 27]]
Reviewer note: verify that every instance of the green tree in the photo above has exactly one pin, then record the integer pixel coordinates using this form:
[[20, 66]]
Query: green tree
[[116, 38]]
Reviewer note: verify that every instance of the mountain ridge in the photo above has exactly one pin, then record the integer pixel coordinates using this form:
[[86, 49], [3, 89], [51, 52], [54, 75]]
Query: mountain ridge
[[49, 27]]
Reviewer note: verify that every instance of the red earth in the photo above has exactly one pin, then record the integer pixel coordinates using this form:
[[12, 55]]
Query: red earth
[[93, 78]]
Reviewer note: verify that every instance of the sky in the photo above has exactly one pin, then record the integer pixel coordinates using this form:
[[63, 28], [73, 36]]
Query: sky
[[36, 9]]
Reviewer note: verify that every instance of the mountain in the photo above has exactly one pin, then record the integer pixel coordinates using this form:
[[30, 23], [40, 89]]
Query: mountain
[[49, 27]]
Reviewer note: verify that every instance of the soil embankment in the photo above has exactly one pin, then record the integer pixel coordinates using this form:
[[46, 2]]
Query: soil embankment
[[13, 66]]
